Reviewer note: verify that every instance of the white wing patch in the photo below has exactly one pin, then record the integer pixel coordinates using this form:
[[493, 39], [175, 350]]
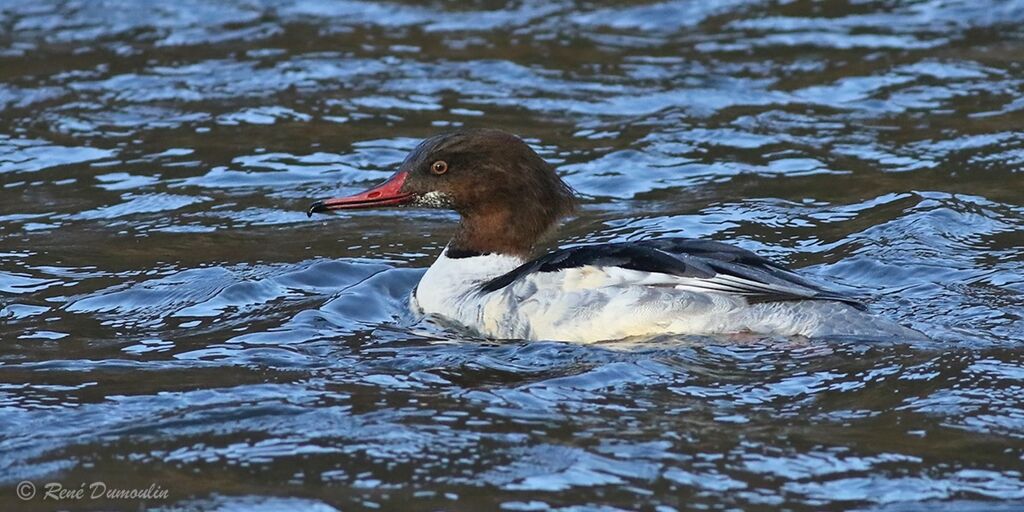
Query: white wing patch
[[591, 277], [724, 283]]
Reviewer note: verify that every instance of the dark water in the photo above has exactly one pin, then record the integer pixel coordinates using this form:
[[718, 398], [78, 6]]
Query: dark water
[[169, 315]]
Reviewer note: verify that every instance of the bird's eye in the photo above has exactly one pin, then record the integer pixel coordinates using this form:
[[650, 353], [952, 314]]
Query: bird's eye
[[439, 167]]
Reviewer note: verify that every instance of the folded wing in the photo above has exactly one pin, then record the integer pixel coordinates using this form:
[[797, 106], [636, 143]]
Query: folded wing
[[698, 265]]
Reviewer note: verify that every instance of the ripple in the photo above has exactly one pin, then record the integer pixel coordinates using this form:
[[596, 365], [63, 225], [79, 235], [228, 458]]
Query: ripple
[[661, 16], [140, 204], [26, 155]]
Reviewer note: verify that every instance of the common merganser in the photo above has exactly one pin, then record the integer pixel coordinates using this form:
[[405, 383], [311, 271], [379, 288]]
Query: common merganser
[[508, 198]]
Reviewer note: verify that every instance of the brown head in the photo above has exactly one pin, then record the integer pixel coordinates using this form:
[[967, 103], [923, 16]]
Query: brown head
[[506, 194]]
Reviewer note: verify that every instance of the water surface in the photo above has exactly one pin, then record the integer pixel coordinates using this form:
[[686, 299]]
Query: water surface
[[168, 314]]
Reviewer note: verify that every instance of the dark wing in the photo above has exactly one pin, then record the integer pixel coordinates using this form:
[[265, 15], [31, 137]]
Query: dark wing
[[702, 266]]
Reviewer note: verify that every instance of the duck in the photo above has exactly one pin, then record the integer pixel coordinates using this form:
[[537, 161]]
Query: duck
[[509, 199]]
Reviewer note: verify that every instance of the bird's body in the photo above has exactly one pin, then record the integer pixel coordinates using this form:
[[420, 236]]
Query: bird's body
[[508, 198], [588, 303]]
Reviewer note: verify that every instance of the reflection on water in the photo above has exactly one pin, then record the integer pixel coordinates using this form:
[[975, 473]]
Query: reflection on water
[[168, 314]]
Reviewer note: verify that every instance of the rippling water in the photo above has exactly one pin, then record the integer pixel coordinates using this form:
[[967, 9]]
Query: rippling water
[[169, 316]]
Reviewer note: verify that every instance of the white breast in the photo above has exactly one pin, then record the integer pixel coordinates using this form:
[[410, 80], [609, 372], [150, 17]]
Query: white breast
[[589, 303], [451, 288]]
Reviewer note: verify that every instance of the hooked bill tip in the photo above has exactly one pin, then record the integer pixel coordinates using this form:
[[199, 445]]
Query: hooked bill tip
[[314, 208]]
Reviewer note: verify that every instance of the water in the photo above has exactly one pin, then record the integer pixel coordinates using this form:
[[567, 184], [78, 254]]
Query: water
[[171, 317]]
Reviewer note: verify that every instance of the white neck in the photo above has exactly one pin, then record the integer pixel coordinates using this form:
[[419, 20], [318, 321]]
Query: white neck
[[449, 282]]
